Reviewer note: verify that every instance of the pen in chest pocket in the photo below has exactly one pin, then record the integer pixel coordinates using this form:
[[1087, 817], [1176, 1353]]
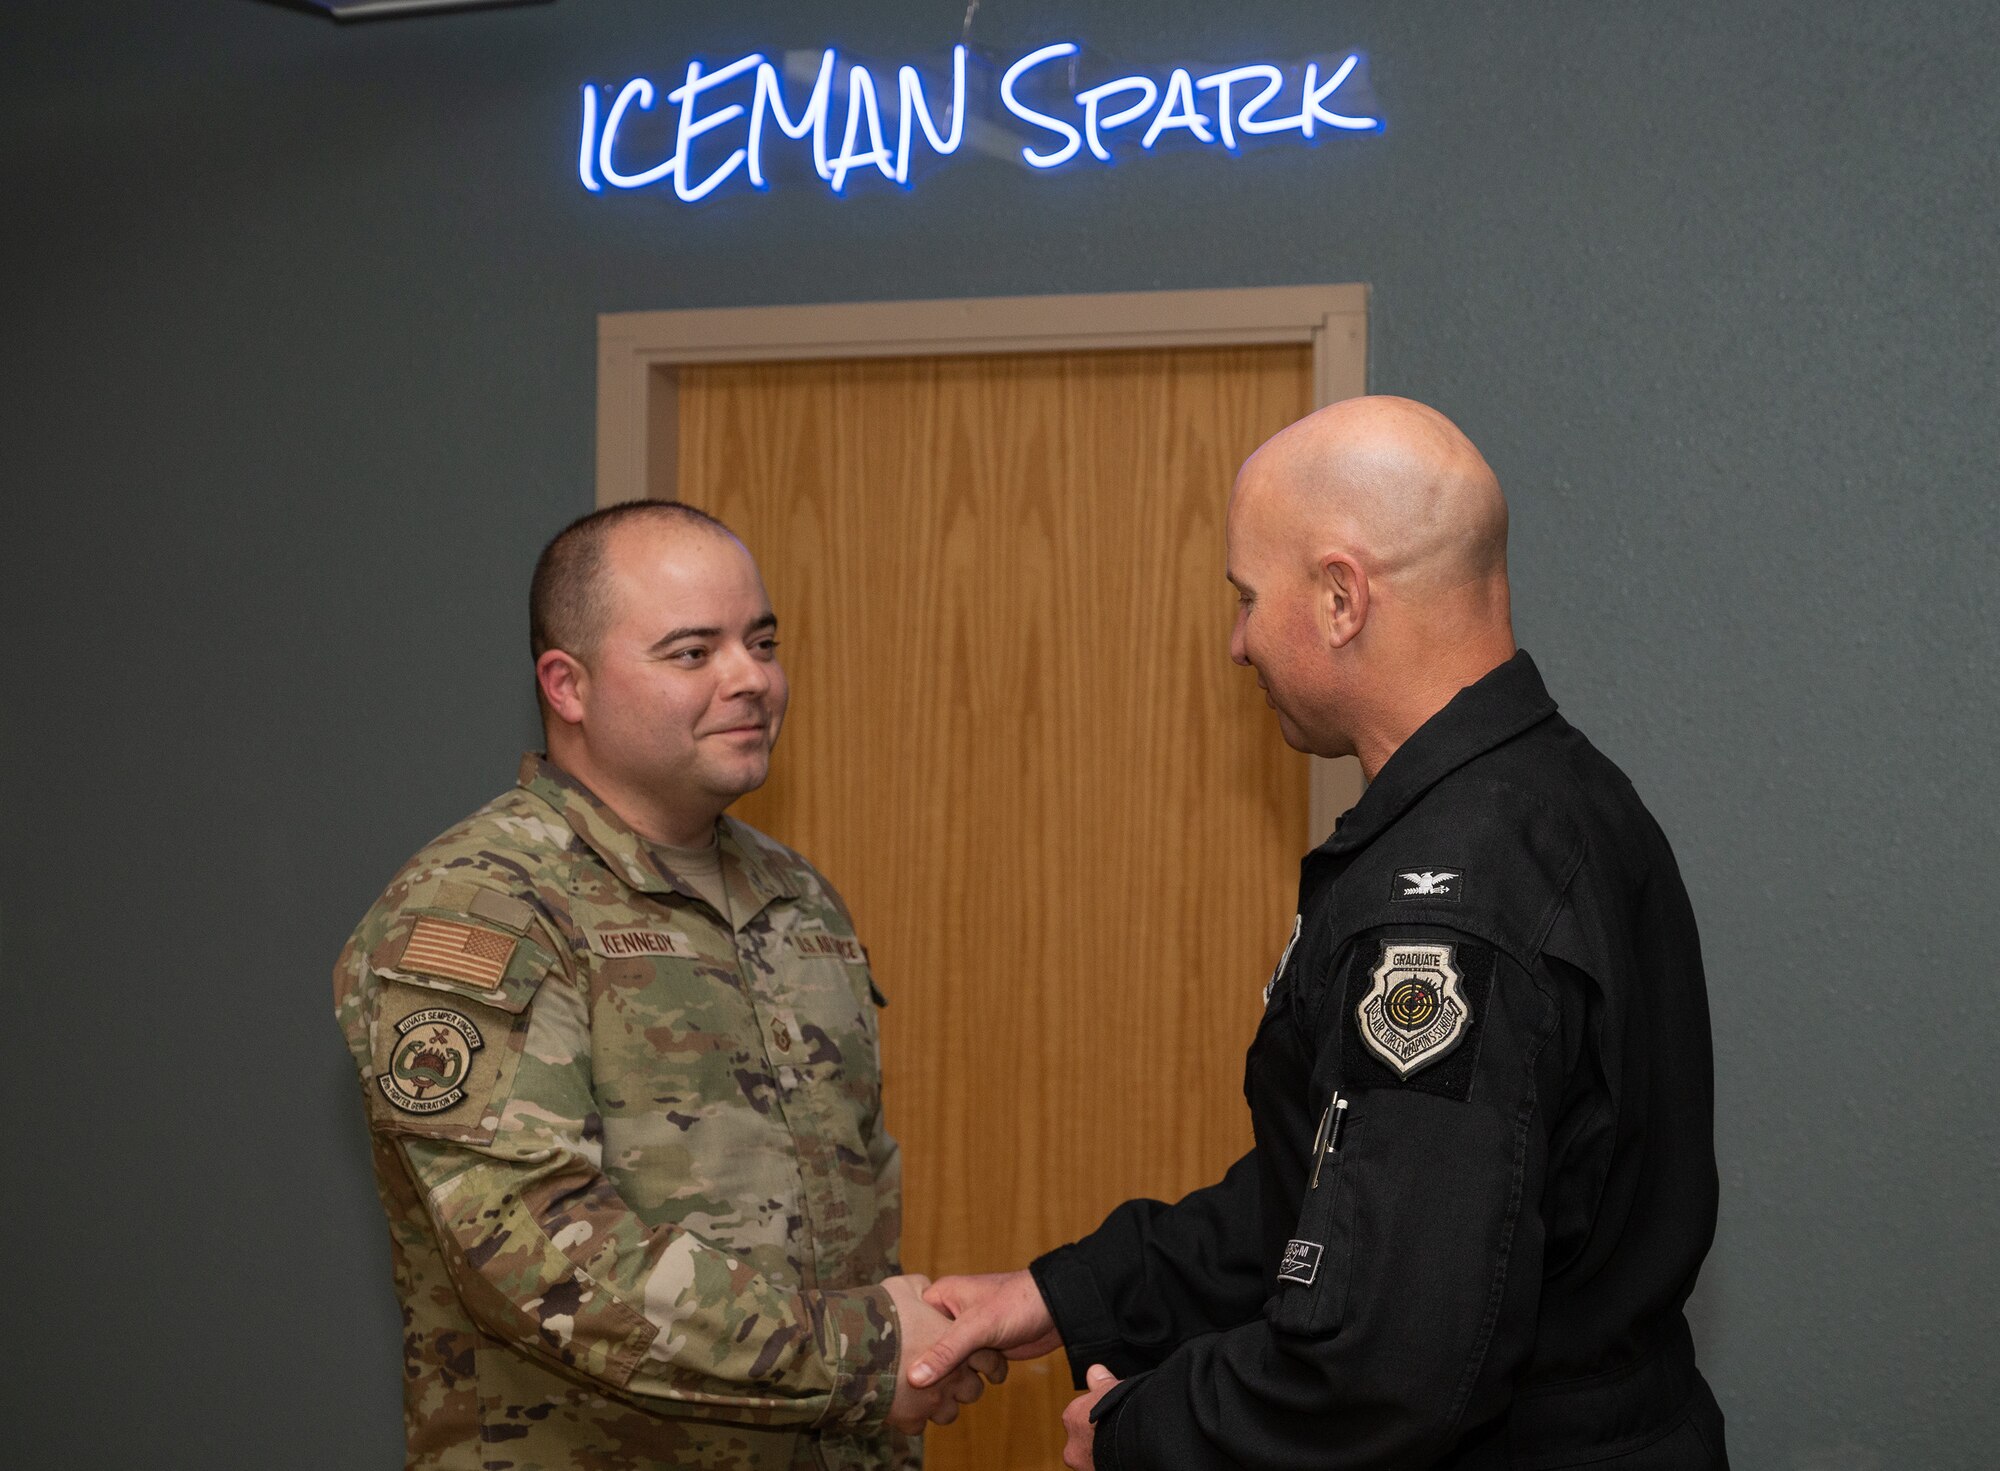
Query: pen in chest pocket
[[1327, 1140]]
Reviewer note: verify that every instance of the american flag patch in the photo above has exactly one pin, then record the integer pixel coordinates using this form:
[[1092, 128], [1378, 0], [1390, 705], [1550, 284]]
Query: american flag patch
[[459, 952]]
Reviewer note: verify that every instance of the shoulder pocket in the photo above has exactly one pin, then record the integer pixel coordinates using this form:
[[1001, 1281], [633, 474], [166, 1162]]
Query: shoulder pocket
[[1312, 1273], [450, 1020]]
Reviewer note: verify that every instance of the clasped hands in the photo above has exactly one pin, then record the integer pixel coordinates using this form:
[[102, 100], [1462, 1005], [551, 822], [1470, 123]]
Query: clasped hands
[[932, 1398], [959, 1334]]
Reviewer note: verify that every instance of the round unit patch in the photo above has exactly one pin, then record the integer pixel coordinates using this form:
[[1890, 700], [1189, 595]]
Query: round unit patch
[[431, 1060], [1415, 1013]]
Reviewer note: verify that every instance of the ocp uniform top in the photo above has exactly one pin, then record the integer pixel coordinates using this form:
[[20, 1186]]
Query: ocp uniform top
[[639, 1191]]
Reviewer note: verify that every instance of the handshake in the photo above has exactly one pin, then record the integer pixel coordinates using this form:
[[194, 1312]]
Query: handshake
[[957, 1335]]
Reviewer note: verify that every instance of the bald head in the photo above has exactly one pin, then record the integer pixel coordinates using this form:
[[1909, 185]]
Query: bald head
[[1368, 543], [1390, 481]]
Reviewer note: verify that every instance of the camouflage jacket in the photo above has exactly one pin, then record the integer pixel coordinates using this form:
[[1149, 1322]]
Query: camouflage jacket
[[638, 1187]]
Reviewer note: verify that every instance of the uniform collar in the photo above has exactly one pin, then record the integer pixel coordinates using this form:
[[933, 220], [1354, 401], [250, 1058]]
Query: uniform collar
[[1503, 703], [629, 856], [744, 855]]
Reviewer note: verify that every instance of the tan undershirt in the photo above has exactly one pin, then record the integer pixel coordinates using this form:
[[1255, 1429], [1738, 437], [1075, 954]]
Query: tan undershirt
[[701, 870]]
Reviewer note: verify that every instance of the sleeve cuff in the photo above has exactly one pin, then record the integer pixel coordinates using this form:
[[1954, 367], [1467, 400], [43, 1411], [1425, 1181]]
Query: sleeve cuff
[[1082, 1317], [1105, 1452], [861, 1342]]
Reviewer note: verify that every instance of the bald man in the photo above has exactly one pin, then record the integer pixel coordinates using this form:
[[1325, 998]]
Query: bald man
[[1484, 1177], [620, 1062]]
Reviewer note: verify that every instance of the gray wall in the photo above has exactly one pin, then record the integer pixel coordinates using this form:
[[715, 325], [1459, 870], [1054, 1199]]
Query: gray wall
[[299, 373]]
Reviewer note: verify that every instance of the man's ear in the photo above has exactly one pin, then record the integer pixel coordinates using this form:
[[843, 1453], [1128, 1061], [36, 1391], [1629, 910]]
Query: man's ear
[[565, 685], [1343, 598]]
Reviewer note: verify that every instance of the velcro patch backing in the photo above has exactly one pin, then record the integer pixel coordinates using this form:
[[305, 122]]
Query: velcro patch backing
[[1407, 990], [504, 910]]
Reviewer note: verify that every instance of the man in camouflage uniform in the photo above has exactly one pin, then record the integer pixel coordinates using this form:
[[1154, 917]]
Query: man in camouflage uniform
[[622, 1072]]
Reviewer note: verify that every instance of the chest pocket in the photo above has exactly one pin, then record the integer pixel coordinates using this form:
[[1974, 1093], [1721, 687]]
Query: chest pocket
[[826, 996], [451, 1000]]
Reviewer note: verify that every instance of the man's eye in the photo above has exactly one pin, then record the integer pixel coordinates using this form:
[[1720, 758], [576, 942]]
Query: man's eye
[[767, 646], [688, 656]]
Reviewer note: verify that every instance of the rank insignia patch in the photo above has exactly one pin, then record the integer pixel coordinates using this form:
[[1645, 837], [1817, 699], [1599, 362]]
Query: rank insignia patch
[[1300, 1263], [431, 1060], [1427, 885], [1415, 1013]]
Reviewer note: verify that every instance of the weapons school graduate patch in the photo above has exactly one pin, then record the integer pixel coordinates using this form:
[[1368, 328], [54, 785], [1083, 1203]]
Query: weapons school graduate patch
[[1415, 1012], [430, 1060]]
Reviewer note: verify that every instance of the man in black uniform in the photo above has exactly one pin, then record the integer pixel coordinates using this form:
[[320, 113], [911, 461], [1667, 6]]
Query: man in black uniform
[[1484, 1174]]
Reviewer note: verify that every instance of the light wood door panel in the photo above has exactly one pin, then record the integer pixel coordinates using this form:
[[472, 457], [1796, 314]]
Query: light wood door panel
[[1066, 824]]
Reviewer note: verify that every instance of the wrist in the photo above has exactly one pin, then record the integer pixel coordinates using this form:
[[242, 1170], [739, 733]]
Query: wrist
[[1077, 1312], [860, 1339]]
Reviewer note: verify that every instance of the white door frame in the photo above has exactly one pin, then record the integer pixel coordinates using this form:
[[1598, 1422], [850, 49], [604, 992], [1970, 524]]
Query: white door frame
[[638, 353]]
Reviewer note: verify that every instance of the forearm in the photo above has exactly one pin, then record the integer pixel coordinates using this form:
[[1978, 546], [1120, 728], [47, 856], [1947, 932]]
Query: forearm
[[550, 1258], [1155, 1275]]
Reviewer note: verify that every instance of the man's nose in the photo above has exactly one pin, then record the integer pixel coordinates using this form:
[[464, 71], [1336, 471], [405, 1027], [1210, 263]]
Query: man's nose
[[1239, 652], [744, 674]]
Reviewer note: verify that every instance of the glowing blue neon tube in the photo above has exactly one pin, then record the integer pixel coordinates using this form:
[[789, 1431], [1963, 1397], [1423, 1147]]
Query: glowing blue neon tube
[[1020, 109], [911, 103], [641, 91], [1223, 109], [583, 162]]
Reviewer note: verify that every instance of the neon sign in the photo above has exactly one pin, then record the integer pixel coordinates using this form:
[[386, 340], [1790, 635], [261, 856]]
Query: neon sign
[[723, 118]]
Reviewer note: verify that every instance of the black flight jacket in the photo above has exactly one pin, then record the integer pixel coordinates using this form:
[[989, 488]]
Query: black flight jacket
[[1481, 1260]]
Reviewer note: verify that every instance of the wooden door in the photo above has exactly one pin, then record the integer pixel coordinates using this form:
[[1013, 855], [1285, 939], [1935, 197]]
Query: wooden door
[[1066, 824]]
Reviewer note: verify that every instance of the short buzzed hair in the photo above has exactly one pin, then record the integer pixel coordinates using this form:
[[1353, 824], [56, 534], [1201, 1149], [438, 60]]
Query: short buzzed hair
[[567, 602]]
